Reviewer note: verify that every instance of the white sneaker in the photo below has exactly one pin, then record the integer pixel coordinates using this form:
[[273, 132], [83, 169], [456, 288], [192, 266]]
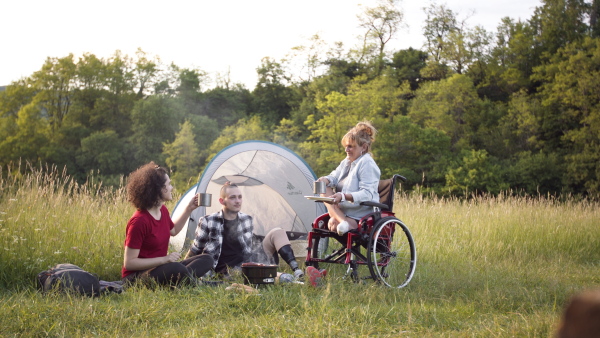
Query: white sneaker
[[343, 228]]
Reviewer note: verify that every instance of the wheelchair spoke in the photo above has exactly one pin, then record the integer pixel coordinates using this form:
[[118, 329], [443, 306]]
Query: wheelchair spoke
[[391, 253]]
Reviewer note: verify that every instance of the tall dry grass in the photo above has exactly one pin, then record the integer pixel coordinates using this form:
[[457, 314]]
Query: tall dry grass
[[494, 246], [498, 266], [46, 218]]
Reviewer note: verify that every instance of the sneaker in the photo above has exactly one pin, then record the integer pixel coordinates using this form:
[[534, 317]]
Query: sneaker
[[315, 276], [286, 278], [298, 274]]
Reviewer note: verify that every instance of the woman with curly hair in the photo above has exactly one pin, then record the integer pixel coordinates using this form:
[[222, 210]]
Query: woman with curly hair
[[355, 180], [149, 229]]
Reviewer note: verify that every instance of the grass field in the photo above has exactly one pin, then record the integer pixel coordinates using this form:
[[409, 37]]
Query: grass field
[[489, 266]]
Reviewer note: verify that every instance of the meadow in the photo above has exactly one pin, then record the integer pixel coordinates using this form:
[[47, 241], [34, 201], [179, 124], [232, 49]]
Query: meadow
[[491, 266]]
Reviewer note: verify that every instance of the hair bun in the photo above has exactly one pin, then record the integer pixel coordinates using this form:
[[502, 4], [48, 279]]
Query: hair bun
[[367, 128]]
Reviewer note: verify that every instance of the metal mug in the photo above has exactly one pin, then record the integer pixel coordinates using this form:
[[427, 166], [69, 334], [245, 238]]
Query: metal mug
[[319, 187], [204, 200]]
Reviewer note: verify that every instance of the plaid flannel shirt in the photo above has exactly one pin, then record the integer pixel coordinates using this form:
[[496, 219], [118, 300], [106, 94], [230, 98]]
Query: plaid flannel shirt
[[209, 236]]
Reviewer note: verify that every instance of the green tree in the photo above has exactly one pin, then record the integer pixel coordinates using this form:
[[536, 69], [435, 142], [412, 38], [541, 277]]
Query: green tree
[[559, 23], [308, 61], [381, 24], [12, 101], [205, 131], [376, 100], [244, 130], [189, 90], [536, 173], [90, 90], [452, 42], [145, 73], [594, 23], [322, 149], [14, 97], [155, 121], [55, 84], [475, 172], [523, 120], [112, 111], [407, 65], [337, 79], [439, 23], [271, 96], [183, 157], [570, 98], [104, 151], [31, 133], [224, 105], [447, 105], [419, 154]]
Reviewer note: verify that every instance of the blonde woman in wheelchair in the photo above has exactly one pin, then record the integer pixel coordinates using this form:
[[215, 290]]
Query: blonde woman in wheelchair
[[354, 181]]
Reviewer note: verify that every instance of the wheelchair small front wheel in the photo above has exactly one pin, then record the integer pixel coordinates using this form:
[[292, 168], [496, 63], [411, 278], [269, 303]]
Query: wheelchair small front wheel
[[391, 253]]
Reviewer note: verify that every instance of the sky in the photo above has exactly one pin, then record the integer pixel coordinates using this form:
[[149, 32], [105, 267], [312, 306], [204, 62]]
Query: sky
[[214, 36]]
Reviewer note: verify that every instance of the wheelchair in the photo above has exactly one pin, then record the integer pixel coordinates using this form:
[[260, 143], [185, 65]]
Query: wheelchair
[[382, 242]]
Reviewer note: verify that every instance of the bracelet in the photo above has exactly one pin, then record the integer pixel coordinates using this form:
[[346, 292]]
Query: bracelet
[[343, 197]]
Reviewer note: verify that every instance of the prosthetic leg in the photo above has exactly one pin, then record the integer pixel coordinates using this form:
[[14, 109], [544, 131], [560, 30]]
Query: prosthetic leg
[[287, 254]]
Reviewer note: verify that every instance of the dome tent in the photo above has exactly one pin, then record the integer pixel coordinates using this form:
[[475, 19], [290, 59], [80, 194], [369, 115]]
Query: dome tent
[[273, 181]]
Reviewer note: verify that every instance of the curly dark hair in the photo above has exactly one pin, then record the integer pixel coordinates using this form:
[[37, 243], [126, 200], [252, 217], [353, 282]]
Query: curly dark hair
[[145, 184]]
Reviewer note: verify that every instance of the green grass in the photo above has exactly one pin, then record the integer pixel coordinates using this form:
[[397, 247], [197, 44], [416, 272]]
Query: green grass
[[491, 266]]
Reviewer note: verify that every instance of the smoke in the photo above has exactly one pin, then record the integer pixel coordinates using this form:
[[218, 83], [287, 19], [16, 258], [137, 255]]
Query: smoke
[[258, 253]]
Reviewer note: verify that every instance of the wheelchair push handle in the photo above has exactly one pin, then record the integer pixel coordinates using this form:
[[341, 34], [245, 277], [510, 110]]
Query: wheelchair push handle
[[402, 178], [384, 206]]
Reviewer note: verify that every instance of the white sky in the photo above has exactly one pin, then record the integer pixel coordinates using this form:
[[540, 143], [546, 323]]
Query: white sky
[[211, 35]]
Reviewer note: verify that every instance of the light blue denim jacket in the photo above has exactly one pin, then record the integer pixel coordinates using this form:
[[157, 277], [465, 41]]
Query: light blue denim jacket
[[362, 182]]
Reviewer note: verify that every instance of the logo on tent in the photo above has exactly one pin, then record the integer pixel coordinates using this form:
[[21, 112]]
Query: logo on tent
[[290, 186]]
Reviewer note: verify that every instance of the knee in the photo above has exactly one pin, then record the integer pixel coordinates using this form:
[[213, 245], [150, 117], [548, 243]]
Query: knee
[[206, 260], [175, 268], [275, 239], [169, 273], [275, 232], [273, 235], [200, 265]]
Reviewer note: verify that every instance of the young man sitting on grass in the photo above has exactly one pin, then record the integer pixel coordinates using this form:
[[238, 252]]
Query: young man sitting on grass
[[227, 237]]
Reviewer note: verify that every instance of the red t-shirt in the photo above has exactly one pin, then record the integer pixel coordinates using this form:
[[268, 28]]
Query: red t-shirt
[[148, 235]]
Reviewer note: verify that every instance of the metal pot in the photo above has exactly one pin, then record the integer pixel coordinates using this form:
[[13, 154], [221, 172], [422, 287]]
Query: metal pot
[[259, 274]]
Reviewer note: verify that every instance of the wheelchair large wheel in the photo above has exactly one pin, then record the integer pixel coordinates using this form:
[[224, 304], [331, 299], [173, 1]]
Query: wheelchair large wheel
[[391, 253]]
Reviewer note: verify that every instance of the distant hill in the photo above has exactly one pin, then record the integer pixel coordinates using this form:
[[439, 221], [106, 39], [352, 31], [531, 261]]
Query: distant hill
[[2, 88]]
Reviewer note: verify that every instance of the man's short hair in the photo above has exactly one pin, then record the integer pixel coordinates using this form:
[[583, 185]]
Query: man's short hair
[[227, 185]]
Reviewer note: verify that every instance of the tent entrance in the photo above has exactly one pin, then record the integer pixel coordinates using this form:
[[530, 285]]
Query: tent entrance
[[273, 181]]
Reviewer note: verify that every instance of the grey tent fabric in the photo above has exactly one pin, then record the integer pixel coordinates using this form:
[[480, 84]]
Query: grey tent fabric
[[273, 181]]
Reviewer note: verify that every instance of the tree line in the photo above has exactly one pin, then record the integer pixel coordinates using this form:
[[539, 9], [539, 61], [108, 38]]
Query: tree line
[[472, 111]]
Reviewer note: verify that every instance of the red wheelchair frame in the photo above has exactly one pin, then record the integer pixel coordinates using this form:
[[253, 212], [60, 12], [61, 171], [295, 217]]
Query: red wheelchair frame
[[382, 242]]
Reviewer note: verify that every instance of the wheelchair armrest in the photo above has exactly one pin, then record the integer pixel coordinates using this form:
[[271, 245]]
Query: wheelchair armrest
[[375, 204]]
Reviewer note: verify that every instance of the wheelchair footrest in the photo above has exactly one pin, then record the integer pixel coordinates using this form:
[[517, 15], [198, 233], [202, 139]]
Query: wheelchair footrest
[[323, 231], [332, 233]]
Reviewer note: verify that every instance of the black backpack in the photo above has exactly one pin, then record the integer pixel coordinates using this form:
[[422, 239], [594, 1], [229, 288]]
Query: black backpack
[[69, 278]]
